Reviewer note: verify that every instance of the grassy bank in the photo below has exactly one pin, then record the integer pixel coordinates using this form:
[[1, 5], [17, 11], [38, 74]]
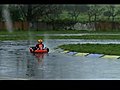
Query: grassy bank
[[16, 32], [27, 37], [109, 49], [99, 37], [44, 31]]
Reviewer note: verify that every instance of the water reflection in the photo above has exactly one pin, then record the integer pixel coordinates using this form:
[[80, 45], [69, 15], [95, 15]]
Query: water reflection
[[32, 65], [40, 56]]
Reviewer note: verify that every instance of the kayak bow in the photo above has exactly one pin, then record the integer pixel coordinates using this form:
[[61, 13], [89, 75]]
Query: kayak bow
[[39, 51]]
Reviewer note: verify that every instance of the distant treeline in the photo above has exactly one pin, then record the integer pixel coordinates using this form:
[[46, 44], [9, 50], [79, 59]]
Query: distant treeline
[[21, 26], [60, 16]]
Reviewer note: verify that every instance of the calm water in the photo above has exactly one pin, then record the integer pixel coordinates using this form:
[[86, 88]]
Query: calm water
[[16, 62]]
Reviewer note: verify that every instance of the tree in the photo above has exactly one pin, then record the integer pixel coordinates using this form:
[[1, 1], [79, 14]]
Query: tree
[[33, 13], [15, 13], [1, 6], [108, 14], [30, 12], [113, 11], [53, 16], [75, 10], [95, 11]]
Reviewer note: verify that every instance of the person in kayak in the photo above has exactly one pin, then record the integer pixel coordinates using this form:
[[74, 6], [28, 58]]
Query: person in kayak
[[39, 46]]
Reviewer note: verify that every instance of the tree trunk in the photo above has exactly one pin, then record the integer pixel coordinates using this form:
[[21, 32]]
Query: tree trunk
[[95, 21], [53, 25], [22, 26], [29, 16], [113, 25], [89, 18], [37, 25], [108, 18]]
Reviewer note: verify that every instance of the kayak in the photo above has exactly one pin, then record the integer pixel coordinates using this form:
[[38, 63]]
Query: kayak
[[46, 50]]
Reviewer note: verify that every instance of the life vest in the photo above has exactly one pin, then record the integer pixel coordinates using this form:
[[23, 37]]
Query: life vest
[[40, 46]]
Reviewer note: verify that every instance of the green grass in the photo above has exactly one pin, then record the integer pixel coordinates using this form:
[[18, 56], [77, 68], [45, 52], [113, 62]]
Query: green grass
[[26, 35], [25, 32], [43, 32], [109, 49], [32, 36], [99, 37]]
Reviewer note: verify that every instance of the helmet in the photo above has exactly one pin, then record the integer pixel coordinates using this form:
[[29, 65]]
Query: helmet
[[40, 40]]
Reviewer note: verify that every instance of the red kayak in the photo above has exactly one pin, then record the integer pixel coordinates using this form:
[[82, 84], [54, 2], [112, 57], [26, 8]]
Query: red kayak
[[46, 50]]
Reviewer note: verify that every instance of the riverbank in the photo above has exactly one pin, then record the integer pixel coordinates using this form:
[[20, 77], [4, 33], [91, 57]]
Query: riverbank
[[21, 32], [109, 49], [34, 37], [27, 35]]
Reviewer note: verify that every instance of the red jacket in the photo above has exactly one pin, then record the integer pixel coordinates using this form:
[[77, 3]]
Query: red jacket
[[40, 46]]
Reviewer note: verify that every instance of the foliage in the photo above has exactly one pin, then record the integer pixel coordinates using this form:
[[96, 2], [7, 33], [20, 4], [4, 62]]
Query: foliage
[[62, 16]]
